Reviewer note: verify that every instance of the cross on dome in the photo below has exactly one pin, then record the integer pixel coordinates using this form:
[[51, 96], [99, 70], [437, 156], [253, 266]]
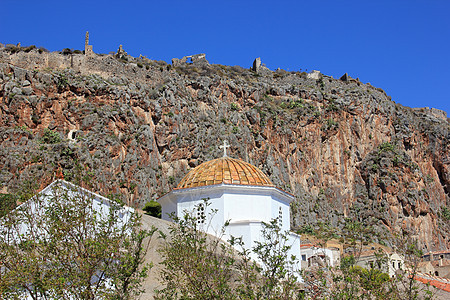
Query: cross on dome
[[225, 146]]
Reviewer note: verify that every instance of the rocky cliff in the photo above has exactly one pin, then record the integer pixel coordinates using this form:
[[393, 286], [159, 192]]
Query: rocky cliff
[[135, 127]]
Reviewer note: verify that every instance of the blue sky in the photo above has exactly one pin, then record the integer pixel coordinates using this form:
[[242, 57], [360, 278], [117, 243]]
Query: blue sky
[[402, 46]]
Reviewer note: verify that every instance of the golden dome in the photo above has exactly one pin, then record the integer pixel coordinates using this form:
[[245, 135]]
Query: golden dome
[[224, 170]]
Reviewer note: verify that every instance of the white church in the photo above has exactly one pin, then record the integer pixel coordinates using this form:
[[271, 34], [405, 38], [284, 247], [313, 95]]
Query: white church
[[240, 193]]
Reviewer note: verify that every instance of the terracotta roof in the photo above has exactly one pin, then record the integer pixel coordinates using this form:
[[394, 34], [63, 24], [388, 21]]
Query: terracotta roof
[[224, 170], [307, 245], [440, 283]]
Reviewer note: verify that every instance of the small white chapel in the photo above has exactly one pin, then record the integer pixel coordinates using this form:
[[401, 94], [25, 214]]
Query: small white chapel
[[240, 193]]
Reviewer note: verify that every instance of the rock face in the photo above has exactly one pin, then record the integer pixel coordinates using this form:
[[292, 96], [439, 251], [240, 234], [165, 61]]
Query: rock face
[[135, 127]]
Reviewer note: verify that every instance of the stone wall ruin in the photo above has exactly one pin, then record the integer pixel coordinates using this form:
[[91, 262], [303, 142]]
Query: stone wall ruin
[[87, 48], [196, 59]]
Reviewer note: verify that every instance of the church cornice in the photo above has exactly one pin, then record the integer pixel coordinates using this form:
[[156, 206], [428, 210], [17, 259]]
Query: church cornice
[[235, 188]]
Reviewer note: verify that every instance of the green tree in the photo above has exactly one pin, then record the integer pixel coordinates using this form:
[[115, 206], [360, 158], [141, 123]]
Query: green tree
[[350, 281], [62, 245], [195, 265], [404, 285], [278, 270]]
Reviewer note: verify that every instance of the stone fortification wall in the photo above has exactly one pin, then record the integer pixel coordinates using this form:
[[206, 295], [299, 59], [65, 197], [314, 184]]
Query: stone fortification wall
[[107, 66], [433, 113]]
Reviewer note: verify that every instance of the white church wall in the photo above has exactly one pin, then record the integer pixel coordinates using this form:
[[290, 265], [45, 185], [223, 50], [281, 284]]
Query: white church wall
[[240, 206], [189, 201], [294, 242], [240, 230], [395, 262], [251, 233], [234, 203], [280, 208], [169, 207]]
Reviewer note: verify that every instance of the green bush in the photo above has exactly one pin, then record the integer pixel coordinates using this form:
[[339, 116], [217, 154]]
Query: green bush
[[306, 229], [234, 106], [50, 137], [67, 51], [446, 213], [331, 106], [296, 104], [29, 48], [7, 203], [330, 124], [62, 83], [386, 147], [42, 50], [153, 209], [84, 253]]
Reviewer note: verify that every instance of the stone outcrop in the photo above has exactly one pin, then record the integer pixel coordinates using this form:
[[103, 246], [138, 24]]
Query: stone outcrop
[[135, 127], [256, 64], [314, 74]]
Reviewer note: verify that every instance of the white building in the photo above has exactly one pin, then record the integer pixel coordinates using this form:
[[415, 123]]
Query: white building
[[312, 256], [240, 193], [92, 218], [370, 259], [61, 190]]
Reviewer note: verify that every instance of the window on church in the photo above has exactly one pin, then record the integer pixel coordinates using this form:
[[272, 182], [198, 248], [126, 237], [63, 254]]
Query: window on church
[[280, 217], [201, 217], [304, 257]]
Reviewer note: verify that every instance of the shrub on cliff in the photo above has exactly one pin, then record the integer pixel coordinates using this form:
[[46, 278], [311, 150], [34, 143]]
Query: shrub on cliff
[[29, 48], [153, 209], [7, 203], [67, 51], [50, 137]]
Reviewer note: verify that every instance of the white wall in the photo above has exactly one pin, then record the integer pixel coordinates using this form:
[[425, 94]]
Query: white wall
[[242, 207], [62, 190], [332, 257], [276, 204], [394, 262]]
